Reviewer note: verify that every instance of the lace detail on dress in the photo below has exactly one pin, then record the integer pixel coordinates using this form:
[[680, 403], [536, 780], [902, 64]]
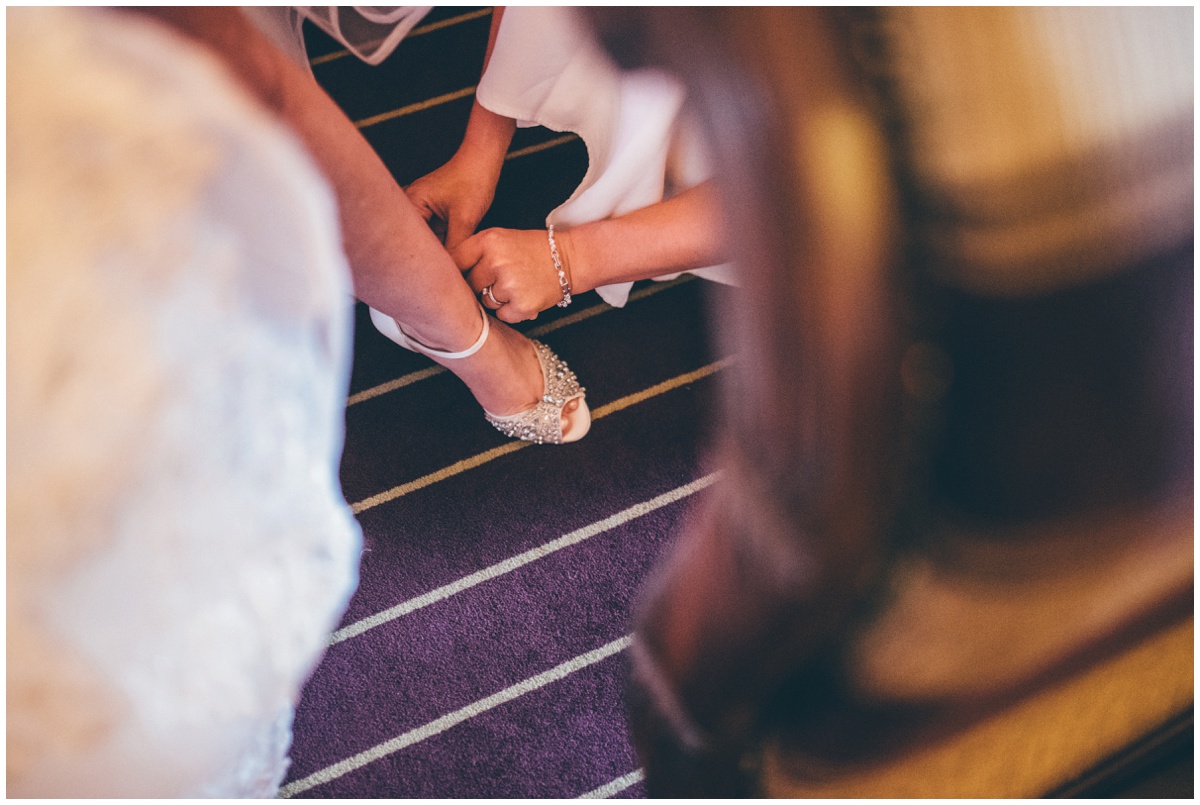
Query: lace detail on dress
[[179, 338]]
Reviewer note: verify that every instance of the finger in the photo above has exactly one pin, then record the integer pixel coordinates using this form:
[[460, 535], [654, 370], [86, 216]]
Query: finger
[[509, 315], [489, 299], [495, 296], [513, 313], [428, 214], [480, 278], [419, 201], [424, 209], [458, 229], [467, 253], [439, 228]]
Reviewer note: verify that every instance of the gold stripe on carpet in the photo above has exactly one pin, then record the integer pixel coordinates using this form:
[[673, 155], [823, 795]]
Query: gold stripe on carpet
[[512, 447], [661, 388], [420, 106], [533, 149], [392, 385]]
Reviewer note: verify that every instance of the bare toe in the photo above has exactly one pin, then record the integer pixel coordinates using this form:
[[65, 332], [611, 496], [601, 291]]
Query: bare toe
[[575, 423]]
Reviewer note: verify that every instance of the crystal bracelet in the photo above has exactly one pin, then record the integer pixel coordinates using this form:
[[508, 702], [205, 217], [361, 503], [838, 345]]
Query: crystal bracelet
[[558, 266]]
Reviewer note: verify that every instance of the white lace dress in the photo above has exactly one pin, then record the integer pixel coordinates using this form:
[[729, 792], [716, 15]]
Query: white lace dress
[[178, 353]]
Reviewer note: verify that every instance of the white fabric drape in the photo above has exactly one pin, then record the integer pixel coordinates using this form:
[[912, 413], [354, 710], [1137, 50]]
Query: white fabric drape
[[370, 32]]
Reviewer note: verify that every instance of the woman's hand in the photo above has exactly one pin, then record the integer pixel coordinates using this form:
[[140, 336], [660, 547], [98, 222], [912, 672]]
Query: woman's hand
[[516, 265], [454, 198]]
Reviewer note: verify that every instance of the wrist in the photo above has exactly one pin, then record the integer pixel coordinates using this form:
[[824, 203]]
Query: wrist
[[560, 268], [482, 151], [568, 250], [486, 140]]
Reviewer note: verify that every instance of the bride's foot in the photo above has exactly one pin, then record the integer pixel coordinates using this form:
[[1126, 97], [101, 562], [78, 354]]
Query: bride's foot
[[560, 415], [526, 391]]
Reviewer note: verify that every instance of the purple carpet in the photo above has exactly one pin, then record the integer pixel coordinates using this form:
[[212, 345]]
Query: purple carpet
[[484, 652]]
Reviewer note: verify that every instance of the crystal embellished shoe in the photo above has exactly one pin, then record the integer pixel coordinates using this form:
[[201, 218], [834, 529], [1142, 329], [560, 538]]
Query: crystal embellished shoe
[[543, 423]]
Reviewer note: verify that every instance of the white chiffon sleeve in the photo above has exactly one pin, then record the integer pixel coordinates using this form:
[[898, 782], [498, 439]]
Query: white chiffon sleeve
[[369, 32]]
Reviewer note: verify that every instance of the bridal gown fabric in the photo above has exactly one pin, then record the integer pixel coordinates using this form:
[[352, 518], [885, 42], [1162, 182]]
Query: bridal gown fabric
[[179, 338], [547, 70]]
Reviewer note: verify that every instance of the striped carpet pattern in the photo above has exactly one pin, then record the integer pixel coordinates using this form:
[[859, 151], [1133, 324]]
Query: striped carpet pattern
[[483, 654]]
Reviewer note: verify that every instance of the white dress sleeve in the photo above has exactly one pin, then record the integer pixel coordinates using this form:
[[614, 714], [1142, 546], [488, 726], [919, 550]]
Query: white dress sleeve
[[370, 33], [546, 69]]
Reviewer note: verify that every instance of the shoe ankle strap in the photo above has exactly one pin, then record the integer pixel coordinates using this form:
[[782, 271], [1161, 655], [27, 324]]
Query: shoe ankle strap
[[466, 353]]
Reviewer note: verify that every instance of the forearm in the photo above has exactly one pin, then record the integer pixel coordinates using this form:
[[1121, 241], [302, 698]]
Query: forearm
[[486, 141], [388, 245], [488, 134], [681, 233]]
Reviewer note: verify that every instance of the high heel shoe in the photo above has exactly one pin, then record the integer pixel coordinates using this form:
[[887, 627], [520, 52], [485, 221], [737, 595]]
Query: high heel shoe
[[543, 423]]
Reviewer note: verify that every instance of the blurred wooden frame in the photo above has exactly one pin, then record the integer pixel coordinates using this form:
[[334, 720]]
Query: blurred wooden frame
[[1054, 742], [790, 566]]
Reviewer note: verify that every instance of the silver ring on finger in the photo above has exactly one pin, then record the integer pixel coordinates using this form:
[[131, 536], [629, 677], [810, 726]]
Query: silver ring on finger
[[487, 291]]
